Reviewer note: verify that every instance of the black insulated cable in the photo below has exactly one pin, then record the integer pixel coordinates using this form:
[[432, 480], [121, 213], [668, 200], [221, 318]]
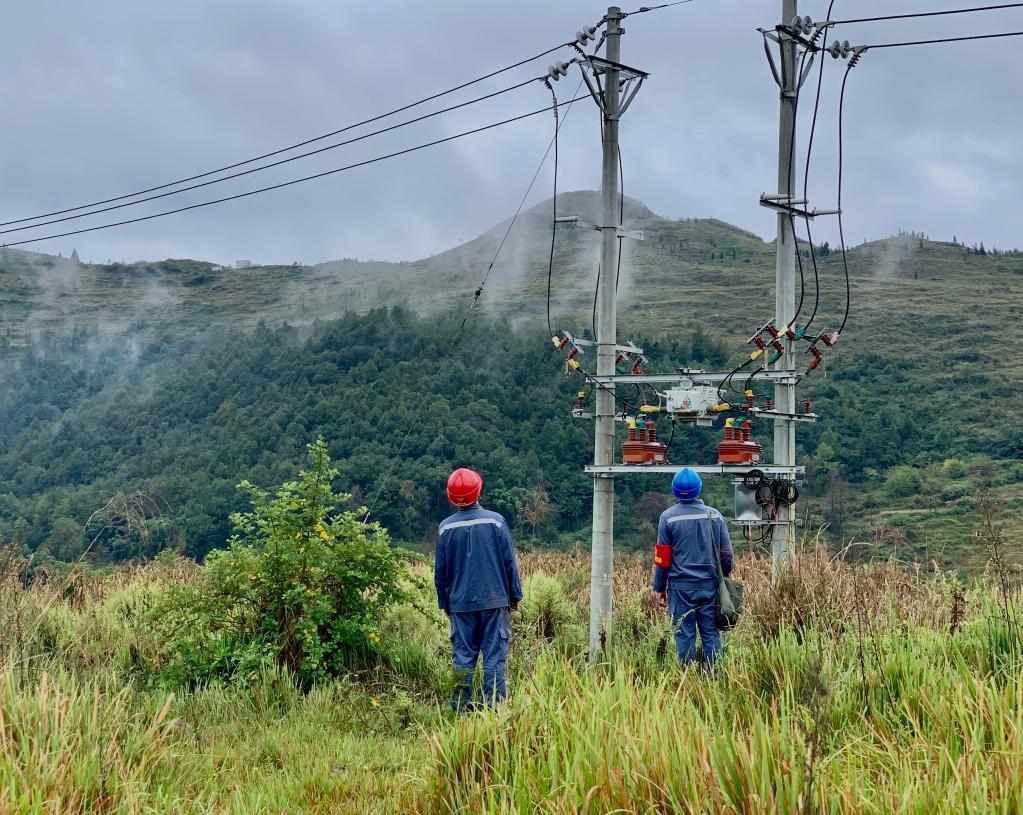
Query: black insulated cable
[[944, 40], [287, 160], [806, 184], [290, 183], [295, 146], [924, 14], [554, 212], [477, 294], [621, 214], [841, 230], [645, 9]]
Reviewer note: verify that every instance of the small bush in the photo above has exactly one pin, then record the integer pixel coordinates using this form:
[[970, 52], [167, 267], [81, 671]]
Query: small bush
[[302, 584], [902, 482]]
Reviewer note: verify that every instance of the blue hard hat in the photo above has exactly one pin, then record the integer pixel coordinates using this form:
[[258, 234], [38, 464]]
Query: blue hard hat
[[686, 485]]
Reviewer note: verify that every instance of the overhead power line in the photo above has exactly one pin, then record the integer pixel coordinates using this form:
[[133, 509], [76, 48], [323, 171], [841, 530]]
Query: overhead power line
[[478, 293], [295, 146], [945, 39], [841, 229], [278, 163], [645, 9], [926, 14], [806, 187], [290, 183]]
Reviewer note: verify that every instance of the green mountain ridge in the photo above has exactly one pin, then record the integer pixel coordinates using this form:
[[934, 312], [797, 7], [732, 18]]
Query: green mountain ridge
[[112, 387]]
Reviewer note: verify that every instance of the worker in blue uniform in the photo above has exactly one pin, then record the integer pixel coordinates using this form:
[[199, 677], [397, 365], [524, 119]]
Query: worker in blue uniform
[[477, 581], [686, 569]]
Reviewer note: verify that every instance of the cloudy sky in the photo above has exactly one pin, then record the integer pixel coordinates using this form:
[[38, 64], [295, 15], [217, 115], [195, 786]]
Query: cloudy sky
[[110, 96]]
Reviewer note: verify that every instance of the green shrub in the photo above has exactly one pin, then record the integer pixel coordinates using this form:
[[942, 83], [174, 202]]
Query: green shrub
[[302, 584], [902, 482], [953, 468]]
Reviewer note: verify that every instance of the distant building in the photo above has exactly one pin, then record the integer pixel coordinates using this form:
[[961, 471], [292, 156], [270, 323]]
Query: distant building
[[242, 264]]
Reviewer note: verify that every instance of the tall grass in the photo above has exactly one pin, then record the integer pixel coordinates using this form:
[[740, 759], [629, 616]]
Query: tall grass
[[781, 727], [846, 688]]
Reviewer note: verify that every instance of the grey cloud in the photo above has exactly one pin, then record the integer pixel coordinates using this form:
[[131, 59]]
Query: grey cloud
[[112, 95]]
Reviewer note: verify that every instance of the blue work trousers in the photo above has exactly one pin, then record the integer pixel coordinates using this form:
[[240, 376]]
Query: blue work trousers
[[693, 605], [472, 633]]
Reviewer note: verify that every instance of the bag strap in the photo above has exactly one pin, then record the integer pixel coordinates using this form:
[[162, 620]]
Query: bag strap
[[714, 543]]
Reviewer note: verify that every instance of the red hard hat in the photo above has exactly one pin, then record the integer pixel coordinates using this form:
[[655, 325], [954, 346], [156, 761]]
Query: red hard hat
[[464, 487]]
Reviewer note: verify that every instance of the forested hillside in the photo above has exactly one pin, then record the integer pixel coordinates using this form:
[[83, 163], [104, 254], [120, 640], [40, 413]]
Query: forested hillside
[[143, 393]]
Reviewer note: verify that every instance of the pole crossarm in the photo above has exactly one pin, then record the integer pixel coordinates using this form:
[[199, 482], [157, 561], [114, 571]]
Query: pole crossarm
[[706, 469], [783, 377]]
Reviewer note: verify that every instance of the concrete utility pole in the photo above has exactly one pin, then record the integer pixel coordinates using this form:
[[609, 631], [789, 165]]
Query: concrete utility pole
[[601, 578], [783, 534]]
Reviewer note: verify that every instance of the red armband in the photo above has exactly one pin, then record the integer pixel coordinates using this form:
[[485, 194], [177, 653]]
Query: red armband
[[662, 555]]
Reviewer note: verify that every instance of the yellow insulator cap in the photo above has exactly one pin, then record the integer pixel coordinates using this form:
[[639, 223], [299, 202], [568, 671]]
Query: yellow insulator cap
[[729, 422], [650, 409], [757, 354], [749, 394], [632, 424], [573, 365], [556, 341], [722, 407], [581, 393]]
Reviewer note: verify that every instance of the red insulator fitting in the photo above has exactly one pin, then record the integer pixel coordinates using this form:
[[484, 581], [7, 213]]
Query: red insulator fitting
[[651, 431], [746, 427], [581, 399], [636, 370], [769, 404], [778, 347], [573, 353], [632, 432], [806, 406], [618, 358], [759, 343], [818, 358]]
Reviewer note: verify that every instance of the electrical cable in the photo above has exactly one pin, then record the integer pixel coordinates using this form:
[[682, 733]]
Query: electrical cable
[[554, 200], [841, 113], [671, 438], [460, 333], [789, 183], [925, 14], [621, 213], [841, 230], [554, 212], [287, 160], [290, 183], [645, 9], [944, 40], [749, 379], [295, 146], [727, 379], [806, 183], [791, 219]]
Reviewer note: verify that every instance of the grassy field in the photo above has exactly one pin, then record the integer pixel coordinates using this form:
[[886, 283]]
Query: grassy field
[[847, 688]]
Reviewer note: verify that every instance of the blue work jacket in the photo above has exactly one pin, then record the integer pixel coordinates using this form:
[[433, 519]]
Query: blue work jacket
[[686, 529], [475, 566]]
